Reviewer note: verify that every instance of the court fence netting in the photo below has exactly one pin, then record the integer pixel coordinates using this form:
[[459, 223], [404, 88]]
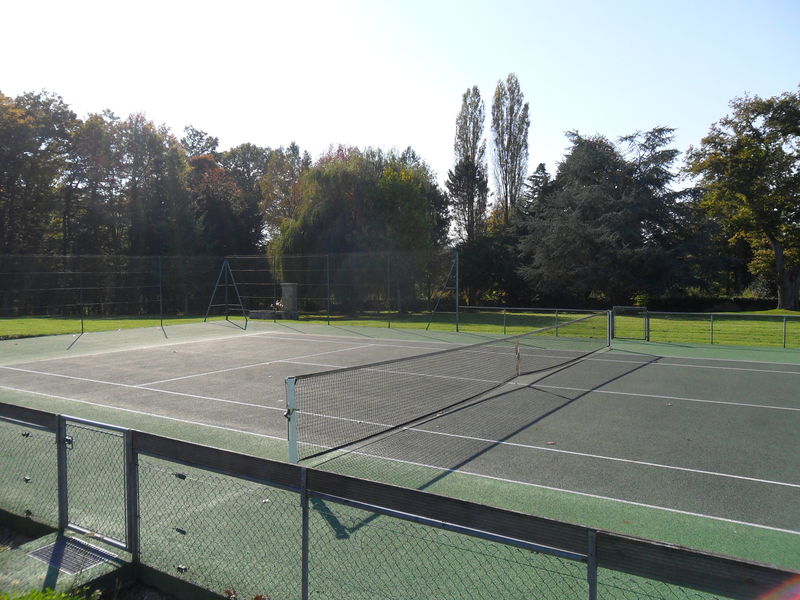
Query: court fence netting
[[206, 522], [333, 409], [327, 285], [780, 331]]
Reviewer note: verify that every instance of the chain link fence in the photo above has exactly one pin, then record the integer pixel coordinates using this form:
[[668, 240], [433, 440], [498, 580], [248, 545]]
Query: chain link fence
[[729, 329], [244, 527], [28, 471], [92, 287]]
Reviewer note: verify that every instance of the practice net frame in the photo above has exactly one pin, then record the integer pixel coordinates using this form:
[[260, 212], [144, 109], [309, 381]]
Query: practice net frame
[[330, 410]]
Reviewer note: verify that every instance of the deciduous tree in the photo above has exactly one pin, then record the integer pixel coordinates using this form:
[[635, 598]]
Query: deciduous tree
[[749, 169]]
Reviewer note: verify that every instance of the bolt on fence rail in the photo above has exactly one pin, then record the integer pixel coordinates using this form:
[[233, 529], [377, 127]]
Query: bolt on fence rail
[[220, 520]]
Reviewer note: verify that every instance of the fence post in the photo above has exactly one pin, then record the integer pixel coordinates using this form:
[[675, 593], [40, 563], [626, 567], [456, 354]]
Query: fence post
[[458, 293], [784, 332], [61, 460], [328, 287], [291, 407], [131, 497], [160, 296], [305, 535], [712, 328], [591, 564]]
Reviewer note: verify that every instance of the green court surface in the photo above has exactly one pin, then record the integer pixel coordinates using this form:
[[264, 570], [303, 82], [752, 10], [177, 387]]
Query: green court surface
[[694, 445]]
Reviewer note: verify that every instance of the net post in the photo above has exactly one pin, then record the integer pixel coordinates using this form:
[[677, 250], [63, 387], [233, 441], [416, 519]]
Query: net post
[[518, 357], [291, 418], [646, 325], [609, 327]]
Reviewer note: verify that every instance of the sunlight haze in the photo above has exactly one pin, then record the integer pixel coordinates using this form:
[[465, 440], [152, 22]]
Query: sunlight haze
[[391, 74]]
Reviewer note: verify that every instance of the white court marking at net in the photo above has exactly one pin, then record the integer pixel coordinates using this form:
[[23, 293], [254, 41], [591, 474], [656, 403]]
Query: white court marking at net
[[458, 436]]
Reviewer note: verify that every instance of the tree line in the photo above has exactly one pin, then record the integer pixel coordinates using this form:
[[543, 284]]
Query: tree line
[[619, 221]]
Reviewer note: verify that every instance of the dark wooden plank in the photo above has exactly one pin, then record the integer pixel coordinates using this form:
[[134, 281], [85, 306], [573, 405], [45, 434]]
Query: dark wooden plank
[[29, 415], [701, 571], [520, 526], [226, 461]]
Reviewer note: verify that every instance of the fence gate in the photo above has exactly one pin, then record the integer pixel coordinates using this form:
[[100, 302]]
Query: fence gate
[[630, 323], [93, 479]]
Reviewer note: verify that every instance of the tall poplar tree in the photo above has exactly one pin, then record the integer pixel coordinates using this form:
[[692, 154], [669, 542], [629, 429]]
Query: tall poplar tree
[[467, 182], [510, 124]]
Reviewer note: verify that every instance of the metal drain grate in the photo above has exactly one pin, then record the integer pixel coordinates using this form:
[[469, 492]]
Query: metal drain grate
[[71, 556]]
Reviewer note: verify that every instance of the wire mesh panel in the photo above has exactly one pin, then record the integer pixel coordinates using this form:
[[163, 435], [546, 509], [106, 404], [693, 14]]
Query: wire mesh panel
[[630, 322], [752, 330], [28, 472], [613, 585], [337, 408], [777, 331], [96, 479], [219, 532], [359, 554]]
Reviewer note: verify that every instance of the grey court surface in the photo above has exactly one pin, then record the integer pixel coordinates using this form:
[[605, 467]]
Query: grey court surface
[[711, 437]]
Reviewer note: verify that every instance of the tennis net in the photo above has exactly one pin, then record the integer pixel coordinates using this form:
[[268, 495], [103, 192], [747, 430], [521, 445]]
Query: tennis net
[[330, 410]]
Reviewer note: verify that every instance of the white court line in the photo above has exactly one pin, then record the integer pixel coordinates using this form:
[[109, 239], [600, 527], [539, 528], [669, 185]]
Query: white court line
[[141, 412], [535, 385], [514, 444], [659, 397], [471, 473], [136, 387], [260, 364], [556, 451], [586, 494], [657, 363], [608, 458]]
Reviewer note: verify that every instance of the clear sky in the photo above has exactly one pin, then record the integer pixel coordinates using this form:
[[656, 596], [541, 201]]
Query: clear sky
[[390, 74]]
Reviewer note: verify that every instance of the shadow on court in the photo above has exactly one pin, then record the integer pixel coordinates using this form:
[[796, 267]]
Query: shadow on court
[[404, 448]]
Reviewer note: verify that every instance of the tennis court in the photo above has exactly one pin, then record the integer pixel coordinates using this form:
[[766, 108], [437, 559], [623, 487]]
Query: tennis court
[[691, 450]]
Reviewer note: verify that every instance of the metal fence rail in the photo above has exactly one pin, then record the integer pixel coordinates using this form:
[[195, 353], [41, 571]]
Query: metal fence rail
[[220, 520], [777, 331]]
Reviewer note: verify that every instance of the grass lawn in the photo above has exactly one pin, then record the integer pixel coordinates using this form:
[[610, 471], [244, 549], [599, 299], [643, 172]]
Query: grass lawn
[[38, 326], [494, 322], [772, 328]]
